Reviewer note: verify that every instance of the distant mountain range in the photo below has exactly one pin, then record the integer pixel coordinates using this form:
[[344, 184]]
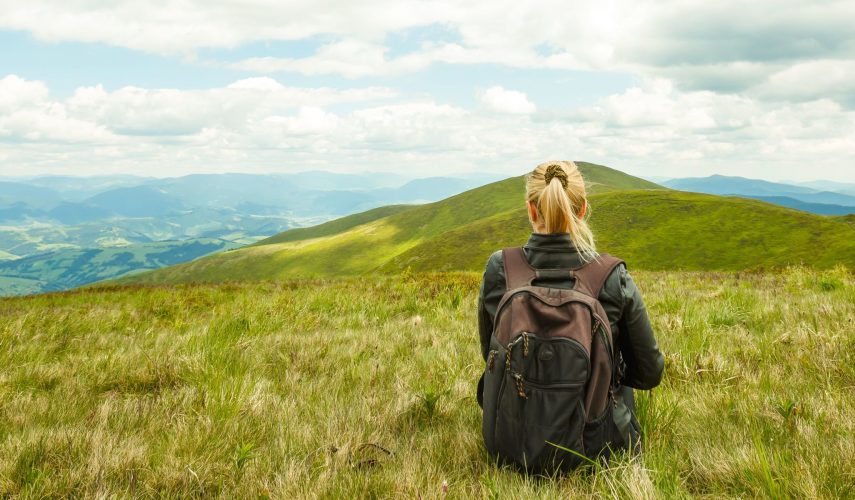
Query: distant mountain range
[[62, 232], [62, 221], [824, 185], [806, 198]]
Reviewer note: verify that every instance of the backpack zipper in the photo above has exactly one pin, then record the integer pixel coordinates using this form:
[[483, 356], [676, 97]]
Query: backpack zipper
[[549, 387], [612, 380]]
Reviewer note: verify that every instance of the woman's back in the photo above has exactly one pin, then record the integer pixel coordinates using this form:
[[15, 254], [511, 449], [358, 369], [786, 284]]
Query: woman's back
[[639, 363]]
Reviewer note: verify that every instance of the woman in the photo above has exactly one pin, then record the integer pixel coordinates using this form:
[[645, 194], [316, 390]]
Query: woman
[[561, 239]]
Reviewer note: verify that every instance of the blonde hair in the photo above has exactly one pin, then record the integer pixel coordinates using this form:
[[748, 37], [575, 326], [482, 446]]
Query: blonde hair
[[557, 190]]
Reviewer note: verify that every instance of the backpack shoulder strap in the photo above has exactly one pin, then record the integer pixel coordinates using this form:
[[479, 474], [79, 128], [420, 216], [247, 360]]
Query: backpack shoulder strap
[[591, 277], [518, 272]]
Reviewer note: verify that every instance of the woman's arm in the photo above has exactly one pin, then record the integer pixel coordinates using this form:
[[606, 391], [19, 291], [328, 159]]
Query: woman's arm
[[488, 299], [644, 362]]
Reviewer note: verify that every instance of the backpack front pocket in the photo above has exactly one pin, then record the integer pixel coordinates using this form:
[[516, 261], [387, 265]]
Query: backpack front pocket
[[532, 415]]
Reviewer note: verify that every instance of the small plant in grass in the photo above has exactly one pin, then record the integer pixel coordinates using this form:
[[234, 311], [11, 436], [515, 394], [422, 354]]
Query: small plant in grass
[[430, 399], [490, 487], [789, 409], [244, 452], [829, 283]]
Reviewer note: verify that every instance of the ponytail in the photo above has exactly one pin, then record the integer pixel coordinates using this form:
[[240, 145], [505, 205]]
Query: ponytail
[[555, 206], [558, 191]]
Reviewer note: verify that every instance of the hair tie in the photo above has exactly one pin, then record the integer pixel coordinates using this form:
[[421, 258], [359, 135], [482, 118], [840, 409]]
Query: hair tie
[[555, 171]]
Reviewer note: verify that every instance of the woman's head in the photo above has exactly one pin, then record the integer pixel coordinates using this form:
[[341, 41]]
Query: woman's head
[[558, 203]]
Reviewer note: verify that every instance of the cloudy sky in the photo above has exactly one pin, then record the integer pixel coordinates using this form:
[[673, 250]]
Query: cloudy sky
[[656, 88]]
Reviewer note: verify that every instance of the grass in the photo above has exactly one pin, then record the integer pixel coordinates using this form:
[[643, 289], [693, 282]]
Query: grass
[[361, 387]]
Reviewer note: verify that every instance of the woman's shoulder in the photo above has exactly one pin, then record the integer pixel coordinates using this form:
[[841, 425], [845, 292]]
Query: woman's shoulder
[[495, 258], [615, 283], [495, 265]]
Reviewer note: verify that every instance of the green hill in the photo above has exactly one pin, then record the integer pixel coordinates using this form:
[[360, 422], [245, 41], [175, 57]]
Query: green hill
[[358, 243], [650, 227], [661, 230]]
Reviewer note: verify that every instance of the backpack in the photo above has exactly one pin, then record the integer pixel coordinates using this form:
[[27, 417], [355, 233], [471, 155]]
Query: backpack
[[549, 377]]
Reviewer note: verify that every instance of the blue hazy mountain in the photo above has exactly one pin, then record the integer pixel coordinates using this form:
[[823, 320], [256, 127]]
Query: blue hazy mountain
[[816, 208], [723, 185], [136, 201], [773, 192], [834, 186], [70, 212], [30, 195], [74, 188], [19, 210]]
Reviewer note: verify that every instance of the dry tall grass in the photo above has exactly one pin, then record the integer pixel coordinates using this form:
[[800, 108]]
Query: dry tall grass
[[366, 388]]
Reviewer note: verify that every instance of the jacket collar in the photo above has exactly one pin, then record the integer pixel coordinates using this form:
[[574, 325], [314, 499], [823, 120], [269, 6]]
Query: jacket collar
[[551, 242]]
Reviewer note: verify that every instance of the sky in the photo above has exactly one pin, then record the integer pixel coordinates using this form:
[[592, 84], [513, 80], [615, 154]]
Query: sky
[[660, 89]]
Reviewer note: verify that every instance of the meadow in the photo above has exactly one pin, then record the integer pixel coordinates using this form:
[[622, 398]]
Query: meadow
[[364, 387]]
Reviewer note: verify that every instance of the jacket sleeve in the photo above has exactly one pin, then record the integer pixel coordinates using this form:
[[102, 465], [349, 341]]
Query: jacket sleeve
[[487, 301], [485, 324], [644, 362]]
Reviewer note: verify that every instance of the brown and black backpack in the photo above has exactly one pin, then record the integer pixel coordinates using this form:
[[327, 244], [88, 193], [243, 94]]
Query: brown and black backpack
[[549, 378]]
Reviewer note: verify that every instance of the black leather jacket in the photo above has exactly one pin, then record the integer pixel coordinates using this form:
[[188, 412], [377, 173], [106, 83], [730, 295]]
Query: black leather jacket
[[640, 364]]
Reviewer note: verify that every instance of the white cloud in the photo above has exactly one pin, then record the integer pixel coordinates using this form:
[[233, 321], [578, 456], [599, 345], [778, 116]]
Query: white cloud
[[261, 125], [810, 80], [719, 46], [28, 114], [171, 112], [16, 92], [309, 121], [764, 91], [349, 58], [506, 101]]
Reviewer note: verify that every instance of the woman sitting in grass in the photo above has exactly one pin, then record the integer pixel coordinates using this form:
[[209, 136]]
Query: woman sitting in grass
[[565, 337]]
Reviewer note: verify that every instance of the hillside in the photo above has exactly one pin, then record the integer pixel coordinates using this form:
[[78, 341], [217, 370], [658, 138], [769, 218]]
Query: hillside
[[661, 230], [357, 244], [650, 228], [365, 388]]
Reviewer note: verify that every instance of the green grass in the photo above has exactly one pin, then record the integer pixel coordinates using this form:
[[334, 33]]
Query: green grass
[[660, 230], [334, 226], [364, 387]]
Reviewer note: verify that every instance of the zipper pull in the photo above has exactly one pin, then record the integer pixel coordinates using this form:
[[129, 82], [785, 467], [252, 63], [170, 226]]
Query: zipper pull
[[525, 343], [491, 360], [520, 386], [508, 357]]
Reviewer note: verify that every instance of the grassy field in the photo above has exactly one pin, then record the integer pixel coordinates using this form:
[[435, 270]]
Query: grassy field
[[365, 387]]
